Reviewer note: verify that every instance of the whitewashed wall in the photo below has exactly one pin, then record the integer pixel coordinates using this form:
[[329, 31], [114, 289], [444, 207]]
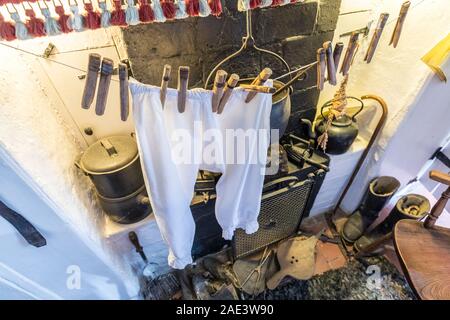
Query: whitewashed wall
[[418, 121], [40, 131]]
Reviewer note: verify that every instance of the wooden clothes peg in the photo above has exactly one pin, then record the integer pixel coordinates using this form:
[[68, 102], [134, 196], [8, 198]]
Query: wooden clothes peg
[[165, 83], [183, 81], [231, 84], [91, 80], [349, 53], [263, 76], [124, 94], [321, 67], [399, 25], [106, 71], [331, 69], [376, 37], [219, 84], [337, 52], [258, 89]]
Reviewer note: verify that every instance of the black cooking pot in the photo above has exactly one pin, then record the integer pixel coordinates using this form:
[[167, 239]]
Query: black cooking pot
[[113, 166], [129, 209], [281, 106]]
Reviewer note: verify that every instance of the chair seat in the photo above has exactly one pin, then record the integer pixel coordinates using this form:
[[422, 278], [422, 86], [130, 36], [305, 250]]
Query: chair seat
[[425, 258]]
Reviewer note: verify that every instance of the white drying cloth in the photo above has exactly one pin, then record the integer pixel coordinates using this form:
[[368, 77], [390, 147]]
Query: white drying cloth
[[174, 146]]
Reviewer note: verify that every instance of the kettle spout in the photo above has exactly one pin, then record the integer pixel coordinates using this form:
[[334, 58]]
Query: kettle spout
[[308, 124]]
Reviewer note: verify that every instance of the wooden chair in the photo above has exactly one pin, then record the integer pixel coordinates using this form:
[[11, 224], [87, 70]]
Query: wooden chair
[[424, 250]]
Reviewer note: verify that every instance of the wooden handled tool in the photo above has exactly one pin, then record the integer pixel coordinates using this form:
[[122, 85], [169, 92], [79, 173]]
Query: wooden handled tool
[[376, 37], [124, 95], [337, 52], [183, 81], [321, 67], [399, 25], [106, 71], [331, 69], [219, 84], [263, 76], [231, 84], [165, 83], [349, 53], [91, 80], [258, 89]]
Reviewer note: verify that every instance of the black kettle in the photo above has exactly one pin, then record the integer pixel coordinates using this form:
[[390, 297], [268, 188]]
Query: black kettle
[[342, 131]]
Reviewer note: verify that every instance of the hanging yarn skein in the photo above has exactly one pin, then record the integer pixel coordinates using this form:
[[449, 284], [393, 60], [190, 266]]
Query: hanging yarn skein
[[21, 30], [92, 18], [192, 7], [157, 10], [132, 14], [105, 17], [118, 14], [216, 7], [35, 26], [7, 31], [181, 10], [76, 21], [204, 9], [168, 8], [51, 26], [63, 19], [146, 14]]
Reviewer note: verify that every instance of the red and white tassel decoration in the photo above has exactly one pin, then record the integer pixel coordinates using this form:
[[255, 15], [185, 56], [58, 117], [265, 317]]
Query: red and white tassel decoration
[[63, 19], [118, 17], [192, 7]]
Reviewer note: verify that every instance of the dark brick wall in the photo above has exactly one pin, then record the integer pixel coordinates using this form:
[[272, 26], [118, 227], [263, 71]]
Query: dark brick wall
[[293, 31]]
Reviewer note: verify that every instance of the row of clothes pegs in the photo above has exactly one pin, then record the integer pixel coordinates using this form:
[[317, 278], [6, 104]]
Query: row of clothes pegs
[[222, 87], [105, 67]]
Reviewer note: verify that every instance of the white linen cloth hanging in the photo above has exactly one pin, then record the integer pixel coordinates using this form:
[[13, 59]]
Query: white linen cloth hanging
[[170, 165]]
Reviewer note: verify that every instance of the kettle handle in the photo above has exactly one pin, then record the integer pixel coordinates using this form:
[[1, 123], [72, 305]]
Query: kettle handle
[[328, 104]]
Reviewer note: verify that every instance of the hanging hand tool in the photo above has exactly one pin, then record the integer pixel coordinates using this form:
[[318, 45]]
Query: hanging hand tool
[[349, 53], [337, 52], [91, 80], [331, 69], [106, 71], [124, 95], [165, 83], [321, 67], [231, 84], [263, 76], [376, 37], [219, 84], [183, 80], [399, 25], [150, 268]]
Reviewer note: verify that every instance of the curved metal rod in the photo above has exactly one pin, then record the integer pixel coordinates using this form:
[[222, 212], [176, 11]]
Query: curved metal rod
[[248, 42], [368, 148]]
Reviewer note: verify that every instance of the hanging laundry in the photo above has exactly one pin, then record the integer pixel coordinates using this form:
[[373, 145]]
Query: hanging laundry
[[170, 182]]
